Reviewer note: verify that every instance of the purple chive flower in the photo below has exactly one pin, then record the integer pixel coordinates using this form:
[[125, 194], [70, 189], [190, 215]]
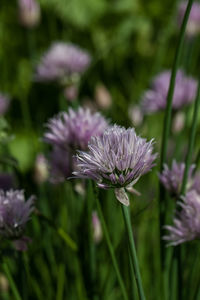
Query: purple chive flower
[[29, 13], [4, 104], [62, 62], [14, 213], [74, 129], [193, 25], [186, 223], [172, 178], [68, 132], [116, 160], [155, 98]]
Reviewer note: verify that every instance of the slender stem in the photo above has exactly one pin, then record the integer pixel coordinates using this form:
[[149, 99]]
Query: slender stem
[[91, 245], [133, 254], [132, 275], [167, 119], [191, 140], [197, 160], [11, 281], [185, 175], [111, 249]]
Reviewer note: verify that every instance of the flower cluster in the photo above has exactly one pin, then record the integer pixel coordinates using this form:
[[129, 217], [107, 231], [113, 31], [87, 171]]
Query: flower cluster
[[186, 225], [155, 98], [116, 160], [68, 132], [172, 178], [62, 62], [193, 25], [14, 213]]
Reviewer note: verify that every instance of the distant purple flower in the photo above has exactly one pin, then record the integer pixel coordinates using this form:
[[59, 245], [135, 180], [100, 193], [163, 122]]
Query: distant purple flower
[[193, 25], [14, 213], [155, 98], [29, 13], [116, 160], [74, 129], [4, 104], [67, 133], [172, 178], [62, 62], [186, 225]]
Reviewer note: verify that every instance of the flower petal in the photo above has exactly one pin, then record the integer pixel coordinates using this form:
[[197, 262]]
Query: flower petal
[[122, 196]]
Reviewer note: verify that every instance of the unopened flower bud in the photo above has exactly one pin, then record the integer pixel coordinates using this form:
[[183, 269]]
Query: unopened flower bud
[[97, 230], [29, 13], [102, 96], [71, 92], [178, 122], [41, 169], [4, 285], [136, 115]]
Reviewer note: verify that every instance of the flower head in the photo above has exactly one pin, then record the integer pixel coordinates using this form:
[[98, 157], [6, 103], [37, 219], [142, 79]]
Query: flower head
[[29, 13], [62, 62], [68, 132], [14, 213], [155, 98], [186, 225], [172, 178], [4, 104], [116, 160], [75, 128], [193, 25]]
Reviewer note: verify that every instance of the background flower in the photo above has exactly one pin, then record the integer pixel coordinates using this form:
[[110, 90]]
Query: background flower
[[68, 132], [186, 224], [193, 26], [62, 62], [172, 178], [155, 98], [14, 213]]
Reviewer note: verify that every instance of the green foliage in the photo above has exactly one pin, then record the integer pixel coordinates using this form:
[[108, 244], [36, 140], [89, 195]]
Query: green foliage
[[130, 41]]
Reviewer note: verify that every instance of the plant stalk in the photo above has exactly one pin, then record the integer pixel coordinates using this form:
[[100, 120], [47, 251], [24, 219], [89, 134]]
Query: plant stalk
[[111, 249], [132, 252]]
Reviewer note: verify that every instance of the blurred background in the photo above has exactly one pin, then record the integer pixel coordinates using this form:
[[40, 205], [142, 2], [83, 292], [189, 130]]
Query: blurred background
[[129, 41]]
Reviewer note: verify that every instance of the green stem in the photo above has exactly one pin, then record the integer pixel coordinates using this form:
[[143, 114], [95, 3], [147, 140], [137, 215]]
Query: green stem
[[133, 283], [133, 254], [191, 140], [11, 281], [111, 250], [91, 245], [167, 119]]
